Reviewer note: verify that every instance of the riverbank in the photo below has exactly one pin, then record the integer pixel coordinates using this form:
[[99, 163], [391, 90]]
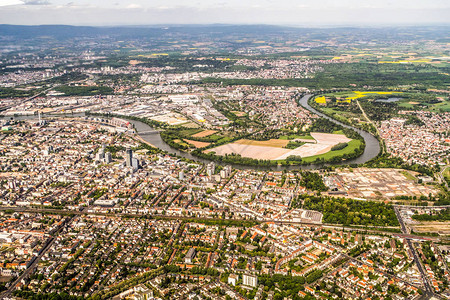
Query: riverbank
[[350, 155], [372, 145], [152, 137]]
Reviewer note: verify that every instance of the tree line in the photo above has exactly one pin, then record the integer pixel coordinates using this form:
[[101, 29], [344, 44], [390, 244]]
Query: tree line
[[349, 211]]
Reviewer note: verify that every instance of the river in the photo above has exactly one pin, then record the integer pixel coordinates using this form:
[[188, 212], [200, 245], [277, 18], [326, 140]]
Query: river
[[372, 144], [152, 136]]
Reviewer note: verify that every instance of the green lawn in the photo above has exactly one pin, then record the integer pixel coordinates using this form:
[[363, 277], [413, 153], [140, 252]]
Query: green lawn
[[214, 137], [408, 175], [444, 106], [224, 140], [294, 136], [352, 145], [406, 105], [447, 174], [338, 132], [339, 94], [84, 90], [182, 143], [190, 131], [340, 115]]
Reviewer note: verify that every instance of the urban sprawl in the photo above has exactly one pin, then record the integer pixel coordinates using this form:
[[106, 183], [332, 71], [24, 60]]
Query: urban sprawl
[[200, 175]]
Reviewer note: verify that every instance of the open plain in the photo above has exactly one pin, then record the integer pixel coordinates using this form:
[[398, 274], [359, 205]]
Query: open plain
[[273, 149]]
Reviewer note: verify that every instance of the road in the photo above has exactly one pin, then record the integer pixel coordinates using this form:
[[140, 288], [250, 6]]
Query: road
[[381, 271], [364, 114], [7, 294], [52, 86], [372, 123], [372, 148], [29, 98], [427, 286], [176, 217], [428, 290]]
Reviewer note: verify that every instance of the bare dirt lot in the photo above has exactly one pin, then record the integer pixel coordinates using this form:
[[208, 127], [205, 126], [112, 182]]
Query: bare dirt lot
[[197, 144], [170, 118], [270, 143], [256, 152], [239, 113], [438, 227], [378, 183], [5, 278], [329, 138], [135, 62], [273, 149], [191, 125], [325, 141], [204, 133]]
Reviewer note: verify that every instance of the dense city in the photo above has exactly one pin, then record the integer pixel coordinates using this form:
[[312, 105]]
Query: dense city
[[224, 166]]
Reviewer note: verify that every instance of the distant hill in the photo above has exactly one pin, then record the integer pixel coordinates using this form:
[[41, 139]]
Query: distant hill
[[66, 31], [220, 31]]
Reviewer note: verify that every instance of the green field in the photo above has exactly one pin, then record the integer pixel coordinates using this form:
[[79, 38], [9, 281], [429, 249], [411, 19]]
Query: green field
[[338, 132], [294, 136], [421, 105], [224, 140], [84, 90], [182, 143], [444, 106], [447, 174], [408, 100], [339, 115], [190, 131], [408, 175], [352, 145], [214, 137]]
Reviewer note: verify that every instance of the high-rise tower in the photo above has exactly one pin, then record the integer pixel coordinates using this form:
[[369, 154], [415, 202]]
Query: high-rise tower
[[129, 157]]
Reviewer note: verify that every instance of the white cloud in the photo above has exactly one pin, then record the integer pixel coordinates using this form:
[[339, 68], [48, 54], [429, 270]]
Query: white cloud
[[10, 2], [133, 6], [36, 2], [285, 12]]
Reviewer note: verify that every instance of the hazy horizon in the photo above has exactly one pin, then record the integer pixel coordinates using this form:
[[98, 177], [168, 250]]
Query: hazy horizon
[[305, 26], [306, 13]]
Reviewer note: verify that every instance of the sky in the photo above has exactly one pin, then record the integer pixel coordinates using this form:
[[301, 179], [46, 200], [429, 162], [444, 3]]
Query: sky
[[308, 13]]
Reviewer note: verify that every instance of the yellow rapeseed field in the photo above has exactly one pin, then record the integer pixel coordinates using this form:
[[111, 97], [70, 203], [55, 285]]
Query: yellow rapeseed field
[[321, 100]]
